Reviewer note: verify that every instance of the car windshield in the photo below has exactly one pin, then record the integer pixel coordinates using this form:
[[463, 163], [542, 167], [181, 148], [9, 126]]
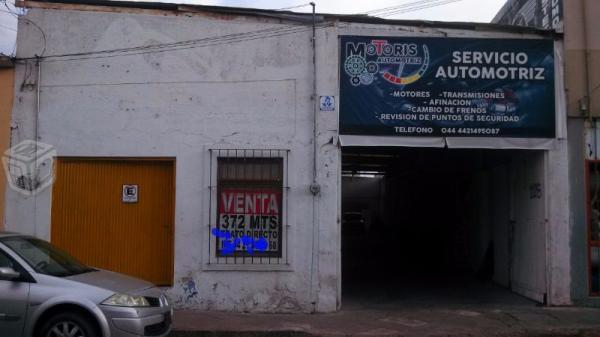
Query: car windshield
[[45, 258]]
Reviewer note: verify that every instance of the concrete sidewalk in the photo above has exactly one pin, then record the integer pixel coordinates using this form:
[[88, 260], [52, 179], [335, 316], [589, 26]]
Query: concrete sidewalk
[[450, 308], [515, 321]]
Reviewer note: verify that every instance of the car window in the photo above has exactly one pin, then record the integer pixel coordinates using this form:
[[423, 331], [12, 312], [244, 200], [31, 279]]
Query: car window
[[5, 261], [45, 258]]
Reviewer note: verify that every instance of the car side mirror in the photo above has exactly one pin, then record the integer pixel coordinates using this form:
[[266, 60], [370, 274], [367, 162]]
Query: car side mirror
[[7, 273]]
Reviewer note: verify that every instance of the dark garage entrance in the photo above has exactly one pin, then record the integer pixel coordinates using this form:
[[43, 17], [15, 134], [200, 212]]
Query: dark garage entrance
[[424, 225]]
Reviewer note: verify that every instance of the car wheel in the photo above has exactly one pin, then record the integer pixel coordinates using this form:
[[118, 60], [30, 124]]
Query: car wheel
[[68, 324]]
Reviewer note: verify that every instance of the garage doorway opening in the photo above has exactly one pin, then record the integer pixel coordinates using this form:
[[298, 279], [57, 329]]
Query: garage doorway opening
[[425, 225]]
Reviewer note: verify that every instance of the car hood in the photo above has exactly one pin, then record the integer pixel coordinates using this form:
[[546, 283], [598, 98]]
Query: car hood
[[115, 282]]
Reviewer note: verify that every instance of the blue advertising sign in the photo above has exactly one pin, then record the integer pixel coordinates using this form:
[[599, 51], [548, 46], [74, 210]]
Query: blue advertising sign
[[454, 87]]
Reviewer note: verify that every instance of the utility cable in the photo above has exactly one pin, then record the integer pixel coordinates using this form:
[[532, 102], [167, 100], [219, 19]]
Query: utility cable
[[20, 17], [391, 8], [418, 8], [204, 42], [293, 7], [219, 40]]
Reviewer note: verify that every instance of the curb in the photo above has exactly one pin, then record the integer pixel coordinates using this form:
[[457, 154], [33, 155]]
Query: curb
[[240, 334], [518, 333]]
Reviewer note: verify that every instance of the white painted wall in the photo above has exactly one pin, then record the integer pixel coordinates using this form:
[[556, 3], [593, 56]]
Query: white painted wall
[[528, 213], [558, 227], [253, 94]]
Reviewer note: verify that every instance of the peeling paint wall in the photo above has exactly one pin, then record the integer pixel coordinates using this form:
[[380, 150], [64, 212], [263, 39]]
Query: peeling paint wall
[[254, 94]]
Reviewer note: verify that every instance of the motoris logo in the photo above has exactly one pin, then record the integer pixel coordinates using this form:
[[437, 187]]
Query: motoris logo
[[397, 63]]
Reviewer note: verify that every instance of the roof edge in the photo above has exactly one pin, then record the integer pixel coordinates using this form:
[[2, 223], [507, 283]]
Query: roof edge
[[175, 8]]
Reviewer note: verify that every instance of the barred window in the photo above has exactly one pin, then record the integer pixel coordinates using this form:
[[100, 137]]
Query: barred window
[[250, 204]]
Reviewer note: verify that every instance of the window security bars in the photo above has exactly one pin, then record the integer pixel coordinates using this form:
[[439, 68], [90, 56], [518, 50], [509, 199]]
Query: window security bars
[[248, 207]]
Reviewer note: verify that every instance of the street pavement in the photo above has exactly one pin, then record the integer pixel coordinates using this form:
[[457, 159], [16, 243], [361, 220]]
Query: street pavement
[[435, 322], [478, 309]]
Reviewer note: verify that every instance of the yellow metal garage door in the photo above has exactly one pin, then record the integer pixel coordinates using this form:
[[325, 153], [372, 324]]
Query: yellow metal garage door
[[116, 215]]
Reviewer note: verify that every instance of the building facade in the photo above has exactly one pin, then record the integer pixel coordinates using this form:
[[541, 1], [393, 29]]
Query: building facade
[[213, 150], [581, 43]]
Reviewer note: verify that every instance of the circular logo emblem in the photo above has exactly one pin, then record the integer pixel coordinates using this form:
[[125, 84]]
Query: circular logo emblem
[[355, 65]]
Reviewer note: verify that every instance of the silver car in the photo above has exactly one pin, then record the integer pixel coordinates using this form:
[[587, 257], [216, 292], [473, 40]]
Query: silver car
[[44, 292]]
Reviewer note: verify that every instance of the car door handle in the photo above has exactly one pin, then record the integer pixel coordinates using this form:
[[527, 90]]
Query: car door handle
[[9, 318]]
